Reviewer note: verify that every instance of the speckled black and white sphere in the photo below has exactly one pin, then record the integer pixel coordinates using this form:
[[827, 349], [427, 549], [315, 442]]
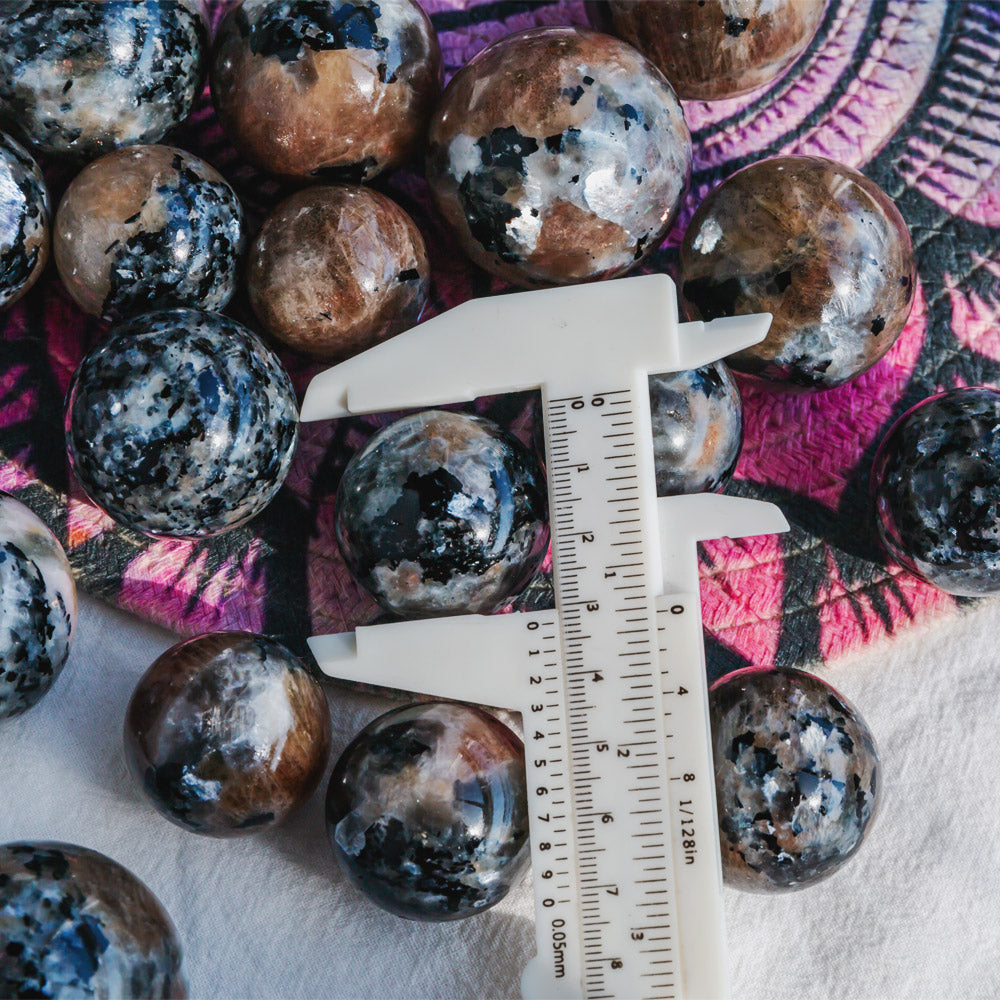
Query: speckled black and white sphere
[[149, 227], [74, 923], [558, 155], [697, 420], [227, 733], [37, 607], [442, 514], [182, 423], [24, 221], [427, 811], [797, 778], [80, 79], [936, 488]]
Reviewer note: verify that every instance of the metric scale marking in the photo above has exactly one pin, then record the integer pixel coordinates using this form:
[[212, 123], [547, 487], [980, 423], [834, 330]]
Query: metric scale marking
[[611, 684]]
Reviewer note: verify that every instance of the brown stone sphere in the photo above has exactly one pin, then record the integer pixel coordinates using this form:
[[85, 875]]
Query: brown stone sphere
[[148, 227], [337, 269], [716, 49], [335, 90], [558, 155], [227, 733], [820, 247]]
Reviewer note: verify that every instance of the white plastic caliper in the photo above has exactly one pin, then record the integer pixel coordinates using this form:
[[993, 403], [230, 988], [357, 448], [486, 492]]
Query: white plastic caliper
[[611, 683]]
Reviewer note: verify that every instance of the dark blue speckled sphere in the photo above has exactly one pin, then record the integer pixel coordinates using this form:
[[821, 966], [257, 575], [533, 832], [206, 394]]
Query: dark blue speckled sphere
[[697, 418], [797, 777], [37, 607], [936, 489], [74, 923], [148, 227], [441, 514], [427, 811], [24, 221], [181, 424], [79, 79]]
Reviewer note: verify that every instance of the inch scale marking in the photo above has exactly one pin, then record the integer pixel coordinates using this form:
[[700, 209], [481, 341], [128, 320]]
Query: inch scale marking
[[610, 684]]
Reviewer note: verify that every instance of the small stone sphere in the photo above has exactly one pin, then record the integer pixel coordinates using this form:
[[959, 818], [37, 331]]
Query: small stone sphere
[[558, 155], [427, 811], [936, 490], [797, 778], [80, 79], [341, 90], [149, 227], [336, 270], [716, 49], [24, 221], [181, 424], [74, 923], [817, 245], [37, 608], [443, 514], [697, 429], [227, 733]]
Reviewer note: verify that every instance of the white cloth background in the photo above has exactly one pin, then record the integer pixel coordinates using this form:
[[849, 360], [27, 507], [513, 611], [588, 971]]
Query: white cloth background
[[914, 915]]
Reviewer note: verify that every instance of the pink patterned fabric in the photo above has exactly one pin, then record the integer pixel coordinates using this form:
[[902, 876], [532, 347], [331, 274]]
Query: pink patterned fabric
[[907, 90]]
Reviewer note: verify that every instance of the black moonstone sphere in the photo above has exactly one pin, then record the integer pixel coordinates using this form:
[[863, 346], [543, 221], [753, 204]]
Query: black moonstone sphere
[[697, 419], [936, 489], [558, 155], [24, 221], [797, 778], [74, 923], [427, 811], [79, 79], [37, 608], [820, 247], [442, 513], [148, 227], [227, 733]]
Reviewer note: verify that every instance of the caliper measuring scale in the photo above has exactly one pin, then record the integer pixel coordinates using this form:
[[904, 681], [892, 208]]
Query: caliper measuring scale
[[611, 682]]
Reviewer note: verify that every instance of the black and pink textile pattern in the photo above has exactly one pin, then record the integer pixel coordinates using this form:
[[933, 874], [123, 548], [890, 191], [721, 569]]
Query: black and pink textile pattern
[[906, 90]]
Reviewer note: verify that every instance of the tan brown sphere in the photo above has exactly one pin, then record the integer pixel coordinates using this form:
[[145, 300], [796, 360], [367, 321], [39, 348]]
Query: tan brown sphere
[[714, 49], [558, 155], [336, 270], [338, 90], [227, 733], [148, 227], [820, 247]]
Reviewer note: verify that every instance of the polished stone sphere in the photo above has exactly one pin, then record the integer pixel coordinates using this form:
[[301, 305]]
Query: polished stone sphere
[[80, 79], [74, 923], [340, 90], [336, 270], [817, 245], [148, 227], [24, 221], [442, 514], [697, 419], [716, 49], [37, 607], [797, 778], [427, 811], [227, 733], [181, 424], [558, 155], [936, 489]]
